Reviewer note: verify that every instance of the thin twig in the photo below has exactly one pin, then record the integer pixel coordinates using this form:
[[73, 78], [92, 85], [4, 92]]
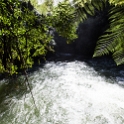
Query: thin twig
[[26, 80]]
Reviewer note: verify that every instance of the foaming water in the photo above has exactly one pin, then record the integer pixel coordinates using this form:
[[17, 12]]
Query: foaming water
[[68, 93]]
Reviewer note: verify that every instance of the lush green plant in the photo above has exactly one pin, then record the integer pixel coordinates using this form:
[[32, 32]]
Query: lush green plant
[[21, 31], [24, 34], [66, 16], [113, 39]]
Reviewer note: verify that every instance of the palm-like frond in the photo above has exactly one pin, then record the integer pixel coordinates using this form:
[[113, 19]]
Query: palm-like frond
[[113, 39], [84, 8], [117, 2]]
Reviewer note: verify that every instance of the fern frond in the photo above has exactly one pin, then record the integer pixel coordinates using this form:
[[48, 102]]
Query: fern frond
[[118, 57], [88, 7], [113, 39], [117, 2]]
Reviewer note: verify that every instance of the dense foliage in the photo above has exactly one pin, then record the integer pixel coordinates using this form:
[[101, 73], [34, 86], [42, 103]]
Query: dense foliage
[[20, 32], [112, 40], [24, 33]]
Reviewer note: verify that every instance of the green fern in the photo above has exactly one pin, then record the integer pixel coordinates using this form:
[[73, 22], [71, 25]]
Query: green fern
[[112, 40], [117, 2]]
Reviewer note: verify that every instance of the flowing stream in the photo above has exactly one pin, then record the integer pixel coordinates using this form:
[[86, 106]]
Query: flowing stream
[[67, 93]]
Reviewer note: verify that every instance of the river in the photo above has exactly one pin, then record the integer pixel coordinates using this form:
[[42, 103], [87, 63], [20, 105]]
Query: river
[[74, 92]]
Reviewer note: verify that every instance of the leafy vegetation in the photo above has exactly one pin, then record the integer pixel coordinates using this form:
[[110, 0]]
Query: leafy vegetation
[[24, 33], [20, 32], [113, 39]]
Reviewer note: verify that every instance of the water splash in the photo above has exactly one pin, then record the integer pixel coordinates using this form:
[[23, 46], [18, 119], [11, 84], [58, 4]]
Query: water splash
[[68, 93]]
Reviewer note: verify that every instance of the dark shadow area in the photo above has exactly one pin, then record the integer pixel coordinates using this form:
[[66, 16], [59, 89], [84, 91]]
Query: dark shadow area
[[107, 68], [88, 33]]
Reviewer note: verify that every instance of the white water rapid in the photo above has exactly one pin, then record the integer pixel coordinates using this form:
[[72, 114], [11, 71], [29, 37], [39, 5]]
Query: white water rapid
[[68, 93]]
